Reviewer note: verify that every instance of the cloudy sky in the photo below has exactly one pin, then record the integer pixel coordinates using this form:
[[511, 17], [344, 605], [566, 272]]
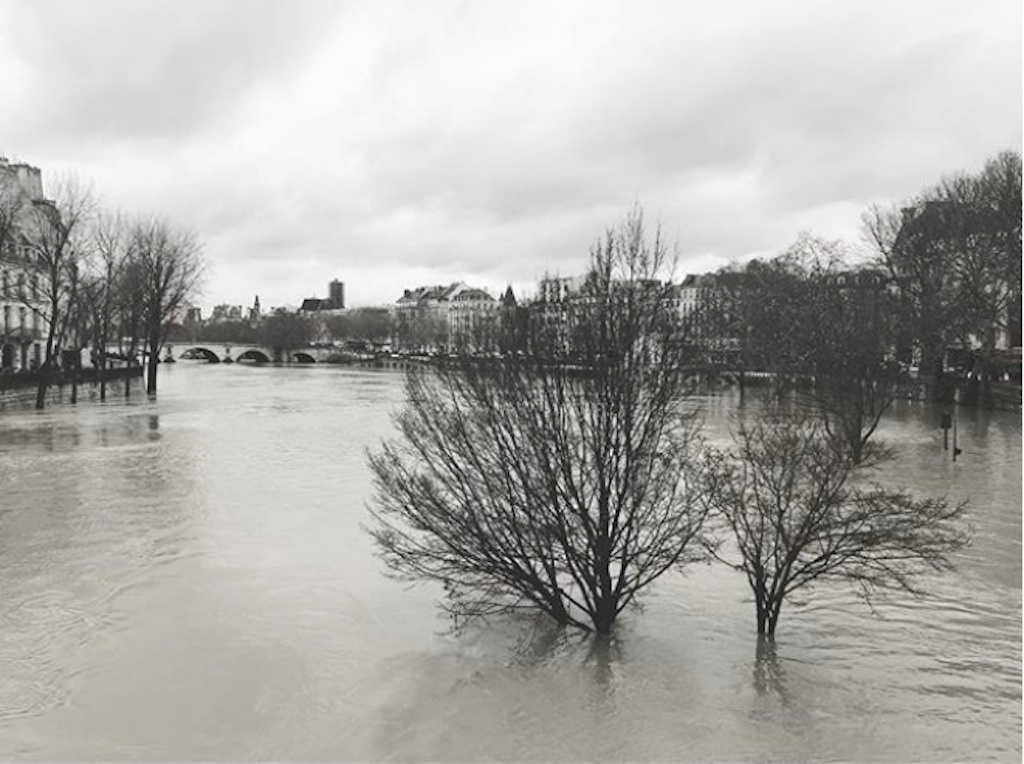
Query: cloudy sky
[[393, 144]]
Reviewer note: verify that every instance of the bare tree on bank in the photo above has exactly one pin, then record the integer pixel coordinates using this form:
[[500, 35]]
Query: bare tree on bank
[[799, 515], [57, 236], [988, 268], [166, 268], [954, 253], [368, 325], [563, 488], [103, 293], [914, 249]]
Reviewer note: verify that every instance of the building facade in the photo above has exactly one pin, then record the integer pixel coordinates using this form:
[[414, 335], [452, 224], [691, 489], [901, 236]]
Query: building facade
[[446, 318], [22, 206]]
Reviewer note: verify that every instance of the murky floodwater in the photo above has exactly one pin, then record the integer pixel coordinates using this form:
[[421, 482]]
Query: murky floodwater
[[187, 579]]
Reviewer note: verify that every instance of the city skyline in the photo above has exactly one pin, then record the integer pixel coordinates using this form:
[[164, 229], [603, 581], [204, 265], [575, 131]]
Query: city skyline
[[391, 145]]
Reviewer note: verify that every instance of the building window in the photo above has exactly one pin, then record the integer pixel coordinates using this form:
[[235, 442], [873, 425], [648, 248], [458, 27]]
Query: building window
[[7, 319], [21, 318]]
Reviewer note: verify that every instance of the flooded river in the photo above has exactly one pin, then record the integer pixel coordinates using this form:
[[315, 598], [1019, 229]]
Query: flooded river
[[187, 579]]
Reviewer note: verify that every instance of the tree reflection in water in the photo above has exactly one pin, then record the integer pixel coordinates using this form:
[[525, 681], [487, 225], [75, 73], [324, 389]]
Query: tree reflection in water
[[604, 653], [768, 674]]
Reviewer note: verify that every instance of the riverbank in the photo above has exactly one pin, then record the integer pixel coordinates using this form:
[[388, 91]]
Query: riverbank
[[18, 389]]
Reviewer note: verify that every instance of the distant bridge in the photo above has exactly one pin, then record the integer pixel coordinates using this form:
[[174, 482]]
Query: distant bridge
[[248, 353], [218, 353]]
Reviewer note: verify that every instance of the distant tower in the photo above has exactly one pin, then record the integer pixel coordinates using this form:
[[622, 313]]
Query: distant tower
[[508, 300], [336, 294], [254, 314]]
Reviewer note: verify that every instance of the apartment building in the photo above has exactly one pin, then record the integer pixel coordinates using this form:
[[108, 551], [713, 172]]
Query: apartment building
[[22, 324]]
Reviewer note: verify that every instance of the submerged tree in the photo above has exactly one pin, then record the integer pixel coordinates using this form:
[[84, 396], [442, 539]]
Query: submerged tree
[[851, 336], [799, 514], [165, 270], [822, 329], [553, 486]]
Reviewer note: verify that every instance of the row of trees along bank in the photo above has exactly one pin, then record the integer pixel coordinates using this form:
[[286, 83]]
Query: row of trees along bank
[[568, 488], [97, 278], [944, 272], [954, 255], [367, 326]]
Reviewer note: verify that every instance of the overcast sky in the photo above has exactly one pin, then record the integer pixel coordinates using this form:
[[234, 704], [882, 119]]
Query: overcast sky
[[393, 144]]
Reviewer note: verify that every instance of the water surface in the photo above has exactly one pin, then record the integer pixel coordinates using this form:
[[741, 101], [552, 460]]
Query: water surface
[[187, 579]]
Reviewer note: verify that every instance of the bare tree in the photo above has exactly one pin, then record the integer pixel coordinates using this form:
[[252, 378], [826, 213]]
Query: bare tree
[[800, 514], [851, 333], [826, 332], [368, 325], [102, 296], [955, 254], [1001, 194], [988, 263], [166, 270], [57, 233], [765, 313], [913, 245], [558, 487]]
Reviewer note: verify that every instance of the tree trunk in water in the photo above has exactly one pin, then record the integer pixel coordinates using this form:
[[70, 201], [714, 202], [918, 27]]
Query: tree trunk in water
[[985, 398], [768, 619], [604, 611], [767, 610], [931, 371], [151, 366], [41, 389], [152, 345], [604, 615], [773, 618], [760, 602]]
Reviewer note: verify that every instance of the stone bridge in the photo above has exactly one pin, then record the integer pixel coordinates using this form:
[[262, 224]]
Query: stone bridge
[[222, 353]]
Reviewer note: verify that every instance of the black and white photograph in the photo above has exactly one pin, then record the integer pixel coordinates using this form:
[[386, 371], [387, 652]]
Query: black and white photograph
[[510, 381]]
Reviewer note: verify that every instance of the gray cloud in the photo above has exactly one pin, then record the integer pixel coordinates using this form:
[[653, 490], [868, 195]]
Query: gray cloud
[[134, 70], [391, 142]]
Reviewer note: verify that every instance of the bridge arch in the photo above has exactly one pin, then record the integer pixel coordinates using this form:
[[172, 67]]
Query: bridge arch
[[301, 357], [200, 352], [254, 355]]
